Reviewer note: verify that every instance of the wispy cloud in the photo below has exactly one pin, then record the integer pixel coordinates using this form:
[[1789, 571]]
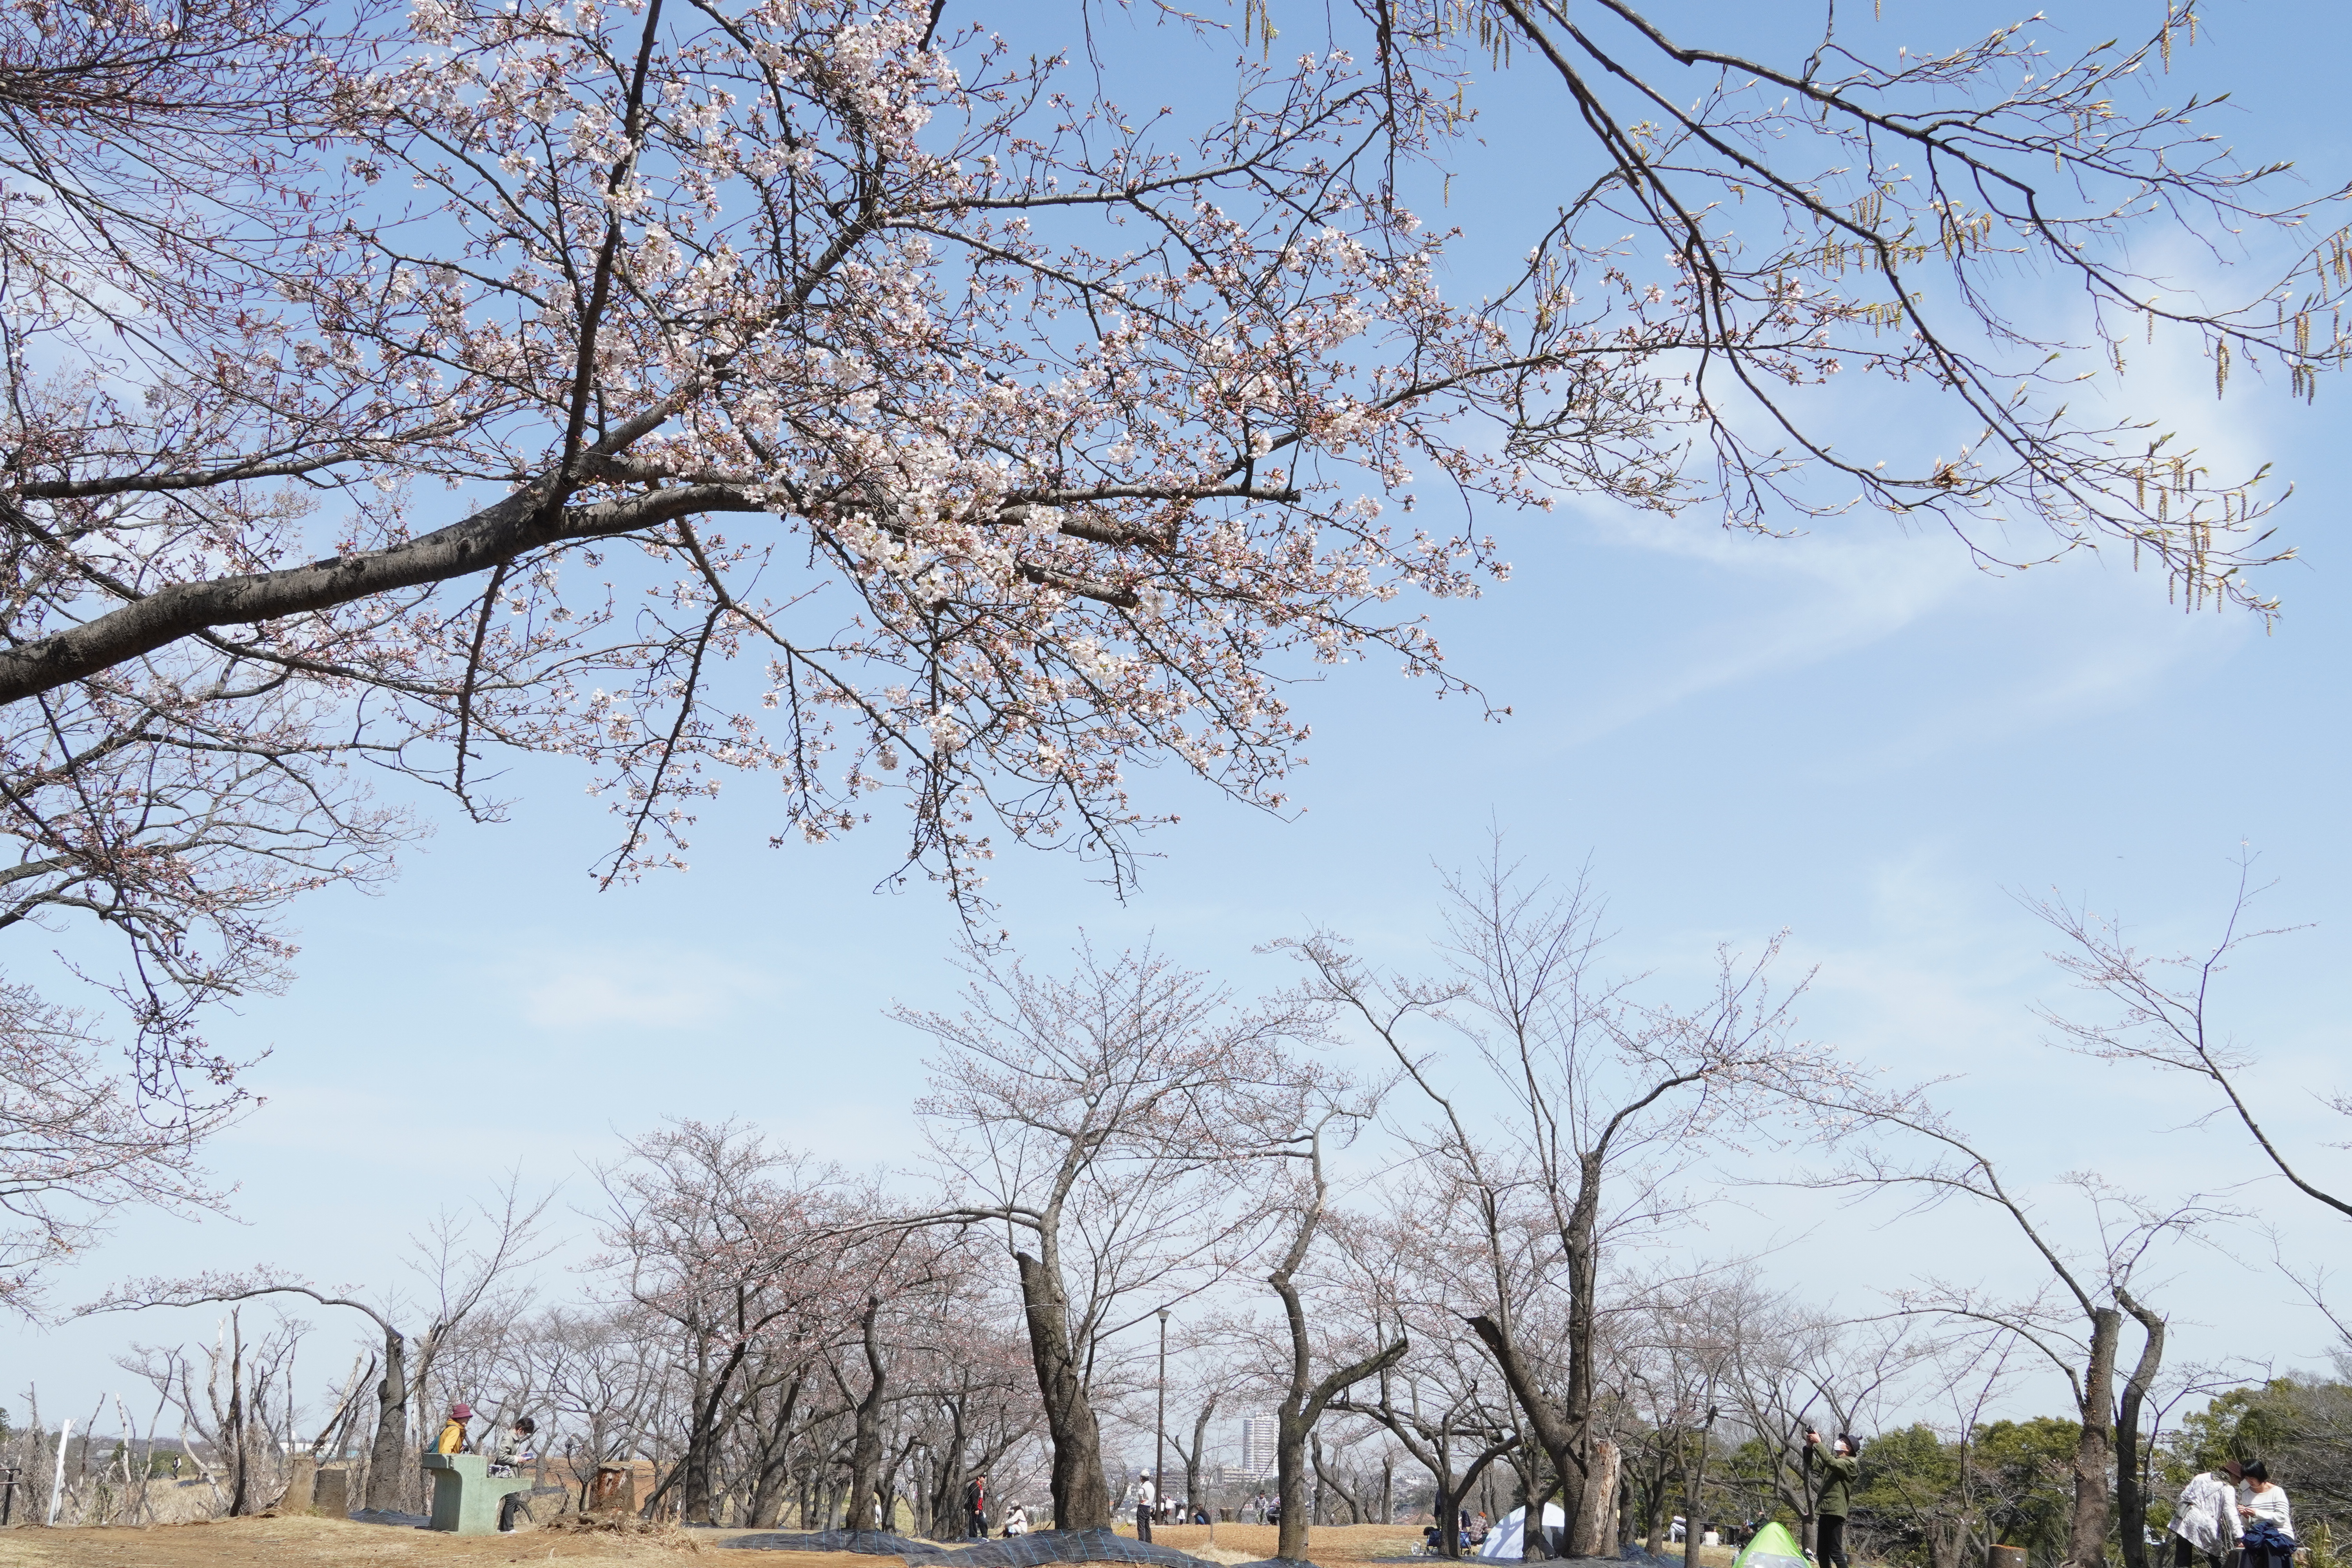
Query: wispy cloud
[[616, 986]]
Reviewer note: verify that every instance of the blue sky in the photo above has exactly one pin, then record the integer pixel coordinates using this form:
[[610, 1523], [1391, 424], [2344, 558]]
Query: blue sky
[[1854, 735]]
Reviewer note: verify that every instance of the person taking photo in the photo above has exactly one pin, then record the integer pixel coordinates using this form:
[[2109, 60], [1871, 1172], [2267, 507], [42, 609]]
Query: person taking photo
[[1839, 1465]]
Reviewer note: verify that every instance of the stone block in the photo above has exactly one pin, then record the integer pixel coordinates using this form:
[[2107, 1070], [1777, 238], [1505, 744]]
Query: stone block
[[467, 1499], [300, 1478]]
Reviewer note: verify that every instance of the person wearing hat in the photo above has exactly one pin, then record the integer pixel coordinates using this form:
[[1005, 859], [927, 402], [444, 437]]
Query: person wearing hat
[[2205, 1524], [1839, 1467], [1145, 1496], [453, 1434]]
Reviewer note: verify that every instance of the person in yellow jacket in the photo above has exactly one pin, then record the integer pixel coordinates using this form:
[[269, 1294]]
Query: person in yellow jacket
[[453, 1434]]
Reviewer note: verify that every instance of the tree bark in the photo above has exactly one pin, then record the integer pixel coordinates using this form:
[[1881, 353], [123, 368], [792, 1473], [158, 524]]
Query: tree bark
[[1554, 1434], [1200, 1446], [1691, 1494], [1296, 1417], [2131, 1496], [1563, 1430], [948, 1515], [696, 1492], [388, 1467], [1080, 1491], [232, 1434], [1575, 1468], [2086, 1532], [866, 1510], [768, 1492]]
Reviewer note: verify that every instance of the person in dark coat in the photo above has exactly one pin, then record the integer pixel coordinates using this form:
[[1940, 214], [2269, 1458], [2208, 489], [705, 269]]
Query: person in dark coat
[[975, 1508], [1838, 1469]]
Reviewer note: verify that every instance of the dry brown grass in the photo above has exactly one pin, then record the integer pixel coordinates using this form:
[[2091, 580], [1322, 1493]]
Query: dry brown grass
[[1255, 1542], [300, 1542]]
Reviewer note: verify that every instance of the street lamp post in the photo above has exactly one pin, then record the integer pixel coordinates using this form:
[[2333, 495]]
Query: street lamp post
[[1160, 1456]]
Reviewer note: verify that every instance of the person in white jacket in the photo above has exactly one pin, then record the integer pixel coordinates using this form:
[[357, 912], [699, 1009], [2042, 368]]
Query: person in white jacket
[[2205, 1520]]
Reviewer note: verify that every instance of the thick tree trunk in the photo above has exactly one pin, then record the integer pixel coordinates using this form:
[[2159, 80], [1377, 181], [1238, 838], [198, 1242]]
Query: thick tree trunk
[[1081, 1493], [241, 1500], [1575, 1466], [1200, 1446], [1296, 1417], [949, 1521], [702, 1441], [1548, 1423], [1653, 1505], [1601, 1501], [1563, 1430], [868, 1509], [2131, 1495], [1691, 1495], [2086, 1532], [388, 1458], [767, 1504]]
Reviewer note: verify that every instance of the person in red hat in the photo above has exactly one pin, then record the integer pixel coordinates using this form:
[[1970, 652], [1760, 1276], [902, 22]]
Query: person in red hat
[[453, 1435]]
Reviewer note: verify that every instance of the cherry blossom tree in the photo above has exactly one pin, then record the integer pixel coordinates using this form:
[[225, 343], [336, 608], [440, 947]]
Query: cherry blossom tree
[[1606, 1097], [739, 1245], [2076, 1321], [838, 395], [2160, 1015], [1092, 1124], [75, 1146], [1302, 1396]]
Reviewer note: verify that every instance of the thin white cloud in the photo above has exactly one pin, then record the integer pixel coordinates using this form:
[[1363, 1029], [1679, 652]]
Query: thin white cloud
[[630, 987]]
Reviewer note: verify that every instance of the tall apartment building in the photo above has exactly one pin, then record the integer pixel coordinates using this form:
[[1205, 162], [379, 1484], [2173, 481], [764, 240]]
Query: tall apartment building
[[1258, 1435]]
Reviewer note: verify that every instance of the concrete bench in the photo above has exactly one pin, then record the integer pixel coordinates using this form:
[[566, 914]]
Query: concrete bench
[[466, 1495]]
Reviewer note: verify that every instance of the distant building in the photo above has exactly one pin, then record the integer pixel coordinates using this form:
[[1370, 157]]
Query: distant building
[[1259, 1437]]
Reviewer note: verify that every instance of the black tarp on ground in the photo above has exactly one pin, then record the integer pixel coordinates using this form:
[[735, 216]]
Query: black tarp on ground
[[1034, 1549], [1030, 1550], [391, 1516]]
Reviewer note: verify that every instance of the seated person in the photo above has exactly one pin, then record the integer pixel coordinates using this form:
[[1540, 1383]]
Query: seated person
[[514, 1449]]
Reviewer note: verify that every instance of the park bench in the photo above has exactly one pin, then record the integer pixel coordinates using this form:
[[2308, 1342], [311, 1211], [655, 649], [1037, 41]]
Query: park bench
[[466, 1495]]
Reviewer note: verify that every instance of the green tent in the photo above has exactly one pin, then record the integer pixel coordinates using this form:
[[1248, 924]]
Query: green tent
[[1772, 1547]]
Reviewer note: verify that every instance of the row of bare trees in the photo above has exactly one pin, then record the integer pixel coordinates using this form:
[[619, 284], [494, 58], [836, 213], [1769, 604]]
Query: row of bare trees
[[1422, 1218]]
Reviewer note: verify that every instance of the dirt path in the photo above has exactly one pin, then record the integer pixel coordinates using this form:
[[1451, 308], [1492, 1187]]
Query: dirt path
[[338, 1544], [296, 1542]]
